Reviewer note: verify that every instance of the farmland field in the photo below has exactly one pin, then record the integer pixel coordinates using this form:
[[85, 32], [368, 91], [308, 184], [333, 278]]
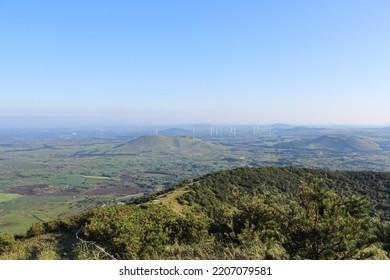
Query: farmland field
[[4, 197]]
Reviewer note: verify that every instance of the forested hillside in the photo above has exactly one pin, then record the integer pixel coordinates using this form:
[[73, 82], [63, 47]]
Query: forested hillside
[[246, 213]]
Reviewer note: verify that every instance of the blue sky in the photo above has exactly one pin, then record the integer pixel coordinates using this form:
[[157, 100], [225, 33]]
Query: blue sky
[[174, 62]]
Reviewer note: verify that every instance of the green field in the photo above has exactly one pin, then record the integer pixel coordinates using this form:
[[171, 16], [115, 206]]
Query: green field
[[96, 177], [4, 197]]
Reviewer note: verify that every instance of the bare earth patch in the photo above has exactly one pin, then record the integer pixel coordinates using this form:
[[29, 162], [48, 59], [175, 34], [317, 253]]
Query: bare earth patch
[[42, 189]]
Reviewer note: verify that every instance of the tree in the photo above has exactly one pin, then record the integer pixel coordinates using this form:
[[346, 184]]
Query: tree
[[321, 224], [313, 224]]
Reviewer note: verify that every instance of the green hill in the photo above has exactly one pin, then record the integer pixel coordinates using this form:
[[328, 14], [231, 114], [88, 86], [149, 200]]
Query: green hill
[[343, 144], [165, 144], [363, 144], [335, 144], [246, 213]]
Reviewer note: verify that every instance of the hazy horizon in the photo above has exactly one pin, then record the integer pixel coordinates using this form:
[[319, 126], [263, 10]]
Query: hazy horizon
[[118, 63], [189, 126]]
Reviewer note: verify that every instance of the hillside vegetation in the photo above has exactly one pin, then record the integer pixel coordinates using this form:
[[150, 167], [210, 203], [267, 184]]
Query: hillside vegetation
[[245, 213], [344, 144], [336, 144]]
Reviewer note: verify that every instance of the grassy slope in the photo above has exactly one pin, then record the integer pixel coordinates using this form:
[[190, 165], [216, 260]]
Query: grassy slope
[[177, 144], [344, 144], [170, 199]]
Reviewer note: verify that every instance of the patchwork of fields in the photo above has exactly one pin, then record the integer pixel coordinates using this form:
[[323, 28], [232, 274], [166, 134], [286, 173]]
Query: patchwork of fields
[[41, 179]]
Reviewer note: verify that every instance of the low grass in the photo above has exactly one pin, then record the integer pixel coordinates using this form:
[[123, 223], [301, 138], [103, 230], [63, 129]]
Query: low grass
[[4, 197], [32, 202], [170, 200], [19, 214], [96, 177], [15, 223]]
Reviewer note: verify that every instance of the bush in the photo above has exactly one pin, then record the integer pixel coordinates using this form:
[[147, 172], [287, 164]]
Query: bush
[[7, 243]]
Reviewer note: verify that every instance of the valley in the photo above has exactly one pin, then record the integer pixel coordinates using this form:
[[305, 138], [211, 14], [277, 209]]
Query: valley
[[47, 174]]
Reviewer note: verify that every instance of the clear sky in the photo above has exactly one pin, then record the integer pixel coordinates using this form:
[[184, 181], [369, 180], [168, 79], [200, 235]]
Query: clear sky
[[177, 61]]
